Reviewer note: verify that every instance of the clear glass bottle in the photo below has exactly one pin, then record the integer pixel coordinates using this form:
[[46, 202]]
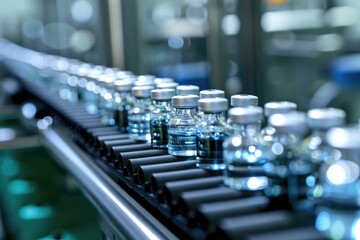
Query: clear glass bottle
[[340, 205], [187, 90], [91, 90], [271, 108], [139, 114], [182, 128], [320, 120], [291, 172], [160, 117], [106, 98], [123, 102], [211, 133], [244, 152]]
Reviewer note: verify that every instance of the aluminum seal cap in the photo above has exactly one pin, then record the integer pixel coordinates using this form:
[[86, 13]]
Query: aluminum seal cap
[[172, 85], [123, 85], [107, 80], [162, 94], [212, 93], [345, 138], [185, 101], [279, 107], [324, 118], [163, 80], [213, 104], [187, 90], [244, 100], [245, 115], [291, 122], [141, 91]]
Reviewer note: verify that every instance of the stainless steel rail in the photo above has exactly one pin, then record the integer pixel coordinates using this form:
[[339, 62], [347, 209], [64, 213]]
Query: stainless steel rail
[[124, 214]]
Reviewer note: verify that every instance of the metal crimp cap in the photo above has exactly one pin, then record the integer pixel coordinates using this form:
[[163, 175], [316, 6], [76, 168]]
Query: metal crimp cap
[[141, 91], [163, 80], [162, 94], [212, 93], [187, 90], [245, 115], [244, 100], [344, 138], [279, 107], [213, 104], [185, 101], [123, 85], [172, 85], [291, 122], [325, 118]]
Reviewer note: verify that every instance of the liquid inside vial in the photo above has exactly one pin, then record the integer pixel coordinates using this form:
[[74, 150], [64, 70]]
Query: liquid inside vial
[[121, 119], [244, 170], [159, 133], [182, 141], [139, 127], [210, 151]]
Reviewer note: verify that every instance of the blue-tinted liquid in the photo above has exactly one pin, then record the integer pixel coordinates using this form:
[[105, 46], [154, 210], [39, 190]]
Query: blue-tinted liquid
[[182, 142], [210, 151], [139, 127], [121, 119], [244, 168], [159, 133]]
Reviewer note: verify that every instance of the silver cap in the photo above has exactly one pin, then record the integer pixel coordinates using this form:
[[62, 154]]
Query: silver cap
[[245, 115], [291, 122], [187, 90], [185, 101], [141, 91], [345, 138], [325, 118], [212, 93], [244, 100], [106, 79], [163, 80], [124, 74], [162, 94], [123, 85], [213, 104], [146, 78], [279, 107], [172, 85]]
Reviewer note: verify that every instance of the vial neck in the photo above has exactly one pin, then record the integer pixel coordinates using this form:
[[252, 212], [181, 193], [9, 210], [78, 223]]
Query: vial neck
[[162, 103], [251, 130], [191, 112], [142, 101], [213, 117], [320, 133]]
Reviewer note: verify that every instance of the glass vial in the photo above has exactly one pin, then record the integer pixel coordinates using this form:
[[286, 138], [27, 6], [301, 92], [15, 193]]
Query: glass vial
[[139, 114], [271, 108], [320, 120], [187, 90], [291, 172], [91, 90], [211, 133], [160, 116], [182, 128], [123, 102], [106, 99], [244, 152]]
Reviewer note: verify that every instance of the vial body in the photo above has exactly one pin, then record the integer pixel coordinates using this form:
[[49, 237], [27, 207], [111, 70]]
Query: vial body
[[139, 120], [245, 157], [123, 103], [209, 142], [182, 133], [160, 117], [107, 106]]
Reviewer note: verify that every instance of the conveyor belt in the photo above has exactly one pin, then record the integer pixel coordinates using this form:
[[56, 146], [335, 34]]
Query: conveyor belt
[[118, 173]]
